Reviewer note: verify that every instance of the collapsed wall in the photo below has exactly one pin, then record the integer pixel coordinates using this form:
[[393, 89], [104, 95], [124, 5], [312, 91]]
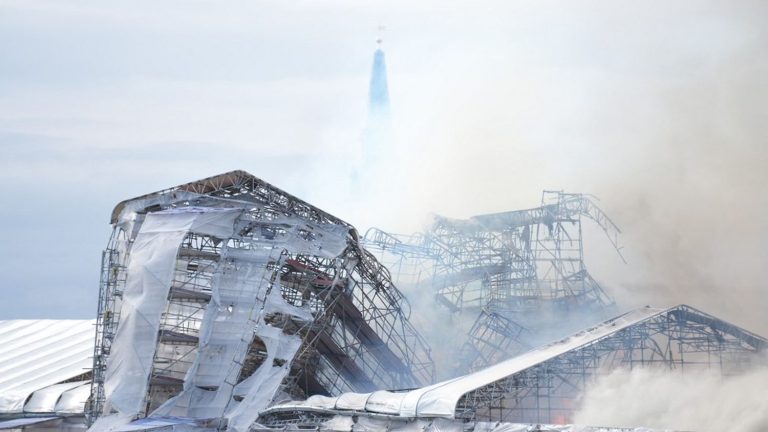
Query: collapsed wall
[[221, 295]]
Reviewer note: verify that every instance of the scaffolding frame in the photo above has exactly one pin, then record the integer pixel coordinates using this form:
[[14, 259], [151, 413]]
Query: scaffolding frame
[[520, 265], [680, 339], [359, 337], [491, 338], [547, 389], [111, 285]]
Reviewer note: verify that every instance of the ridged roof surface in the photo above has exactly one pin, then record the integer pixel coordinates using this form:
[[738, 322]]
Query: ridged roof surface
[[35, 356]]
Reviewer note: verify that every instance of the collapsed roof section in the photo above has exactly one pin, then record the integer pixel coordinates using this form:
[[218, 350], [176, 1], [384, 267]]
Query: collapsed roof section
[[220, 295], [508, 262], [542, 385], [523, 269]]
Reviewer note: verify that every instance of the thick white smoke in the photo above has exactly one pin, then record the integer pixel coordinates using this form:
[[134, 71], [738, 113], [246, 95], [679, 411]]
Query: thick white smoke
[[696, 401], [658, 109]]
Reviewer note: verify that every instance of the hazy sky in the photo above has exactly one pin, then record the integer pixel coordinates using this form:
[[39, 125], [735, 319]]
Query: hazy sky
[[657, 107]]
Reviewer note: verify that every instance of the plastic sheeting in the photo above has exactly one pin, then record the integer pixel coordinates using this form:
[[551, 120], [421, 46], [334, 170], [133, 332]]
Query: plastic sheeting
[[149, 271], [373, 424], [73, 401], [170, 423], [260, 388], [45, 400], [352, 401], [339, 424], [225, 333], [439, 400], [244, 292], [242, 295], [317, 401], [22, 422], [345, 423], [384, 402], [36, 354]]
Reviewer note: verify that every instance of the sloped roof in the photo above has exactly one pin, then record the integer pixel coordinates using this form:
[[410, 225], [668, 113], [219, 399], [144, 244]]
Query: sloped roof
[[236, 185], [440, 400], [36, 356]]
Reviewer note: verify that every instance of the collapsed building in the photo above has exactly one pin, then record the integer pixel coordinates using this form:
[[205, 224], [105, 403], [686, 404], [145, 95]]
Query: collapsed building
[[221, 295], [517, 273], [229, 304]]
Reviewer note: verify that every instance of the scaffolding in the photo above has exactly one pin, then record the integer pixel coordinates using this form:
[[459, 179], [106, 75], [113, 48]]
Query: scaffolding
[[300, 273], [678, 339], [491, 339], [524, 266], [111, 283], [544, 385]]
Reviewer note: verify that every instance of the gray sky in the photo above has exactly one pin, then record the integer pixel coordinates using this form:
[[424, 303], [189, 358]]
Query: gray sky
[[657, 107]]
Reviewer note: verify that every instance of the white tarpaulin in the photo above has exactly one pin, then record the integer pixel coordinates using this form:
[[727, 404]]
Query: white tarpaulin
[[259, 389], [73, 401], [22, 422], [149, 271], [363, 423], [243, 292], [238, 296], [44, 400], [168, 423], [36, 354]]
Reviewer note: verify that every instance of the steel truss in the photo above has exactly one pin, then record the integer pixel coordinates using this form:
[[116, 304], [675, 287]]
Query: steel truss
[[359, 337], [524, 266], [491, 338], [680, 339]]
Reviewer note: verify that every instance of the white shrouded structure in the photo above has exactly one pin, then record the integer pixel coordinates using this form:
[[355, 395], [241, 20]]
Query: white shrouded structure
[[221, 295], [45, 367]]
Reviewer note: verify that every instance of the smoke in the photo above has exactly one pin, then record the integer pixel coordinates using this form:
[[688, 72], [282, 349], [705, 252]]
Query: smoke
[[701, 401], [693, 211], [658, 109]]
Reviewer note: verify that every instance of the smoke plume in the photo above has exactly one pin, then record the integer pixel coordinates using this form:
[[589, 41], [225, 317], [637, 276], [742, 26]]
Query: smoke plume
[[700, 401], [659, 110]]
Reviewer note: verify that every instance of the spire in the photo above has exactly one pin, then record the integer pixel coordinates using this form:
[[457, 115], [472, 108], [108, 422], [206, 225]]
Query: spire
[[377, 153], [378, 93]]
